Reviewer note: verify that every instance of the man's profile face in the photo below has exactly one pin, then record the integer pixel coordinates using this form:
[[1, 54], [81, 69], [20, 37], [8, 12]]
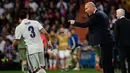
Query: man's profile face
[[118, 14], [88, 10]]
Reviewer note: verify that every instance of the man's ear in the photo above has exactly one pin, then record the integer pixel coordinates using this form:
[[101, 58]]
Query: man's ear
[[19, 20], [27, 16]]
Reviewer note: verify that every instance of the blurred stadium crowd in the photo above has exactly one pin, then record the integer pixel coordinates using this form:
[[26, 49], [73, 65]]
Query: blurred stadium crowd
[[52, 14]]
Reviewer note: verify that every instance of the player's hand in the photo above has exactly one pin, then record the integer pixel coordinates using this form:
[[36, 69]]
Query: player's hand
[[71, 21], [50, 45]]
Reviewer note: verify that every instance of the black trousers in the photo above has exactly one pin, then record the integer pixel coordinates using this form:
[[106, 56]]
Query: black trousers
[[124, 57], [106, 57]]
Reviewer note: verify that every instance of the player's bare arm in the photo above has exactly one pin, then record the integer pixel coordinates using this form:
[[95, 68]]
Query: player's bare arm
[[45, 33], [15, 42], [47, 36]]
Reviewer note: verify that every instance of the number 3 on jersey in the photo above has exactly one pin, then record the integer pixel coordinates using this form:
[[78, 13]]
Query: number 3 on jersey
[[31, 29]]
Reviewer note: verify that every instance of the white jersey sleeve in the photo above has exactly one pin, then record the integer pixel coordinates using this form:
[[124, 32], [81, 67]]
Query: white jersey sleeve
[[39, 26], [17, 33]]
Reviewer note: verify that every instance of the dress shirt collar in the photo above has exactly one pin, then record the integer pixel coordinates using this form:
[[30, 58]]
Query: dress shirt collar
[[122, 17], [95, 11]]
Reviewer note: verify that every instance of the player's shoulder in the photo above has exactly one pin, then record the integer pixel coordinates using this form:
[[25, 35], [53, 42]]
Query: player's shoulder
[[18, 26], [34, 21]]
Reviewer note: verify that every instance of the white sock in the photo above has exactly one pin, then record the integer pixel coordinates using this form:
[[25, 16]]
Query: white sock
[[67, 62], [50, 62], [26, 71], [54, 62], [41, 71], [46, 63], [24, 67], [62, 63]]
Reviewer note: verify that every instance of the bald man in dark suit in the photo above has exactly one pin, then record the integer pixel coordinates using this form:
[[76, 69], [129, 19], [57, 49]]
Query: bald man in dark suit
[[99, 34]]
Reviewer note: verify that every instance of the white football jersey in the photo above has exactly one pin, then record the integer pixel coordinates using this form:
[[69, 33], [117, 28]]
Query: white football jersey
[[30, 31]]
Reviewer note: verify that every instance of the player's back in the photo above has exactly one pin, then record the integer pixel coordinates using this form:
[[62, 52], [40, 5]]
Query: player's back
[[30, 31]]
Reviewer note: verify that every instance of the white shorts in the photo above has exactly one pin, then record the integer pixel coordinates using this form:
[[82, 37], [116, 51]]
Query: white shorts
[[54, 51], [35, 61], [64, 53]]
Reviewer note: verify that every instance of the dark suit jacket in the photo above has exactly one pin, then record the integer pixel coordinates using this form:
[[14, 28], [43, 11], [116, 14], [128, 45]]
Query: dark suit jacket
[[122, 32], [99, 30]]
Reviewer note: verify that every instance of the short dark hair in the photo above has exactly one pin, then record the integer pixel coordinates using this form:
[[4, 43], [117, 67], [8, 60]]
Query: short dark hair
[[23, 14], [73, 29]]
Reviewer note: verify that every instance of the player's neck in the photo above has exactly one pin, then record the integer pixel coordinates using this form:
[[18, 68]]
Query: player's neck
[[20, 20]]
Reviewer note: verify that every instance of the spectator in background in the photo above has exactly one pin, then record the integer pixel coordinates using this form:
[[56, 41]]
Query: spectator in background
[[62, 10], [89, 53], [63, 47], [15, 12], [52, 6], [74, 51], [41, 9], [106, 7], [57, 17], [2, 44], [3, 19], [51, 15], [112, 11], [33, 5], [72, 8], [25, 3], [10, 34], [46, 16], [75, 36], [126, 5], [32, 14], [8, 5], [122, 37], [112, 20], [54, 28], [72, 43], [99, 6], [8, 51], [2, 56], [61, 2], [63, 21], [65, 29], [4, 30], [46, 24], [1, 11], [7, 16], [51, 12], [53, 51]]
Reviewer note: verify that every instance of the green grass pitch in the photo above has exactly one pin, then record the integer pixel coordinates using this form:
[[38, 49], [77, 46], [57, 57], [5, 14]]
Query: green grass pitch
[[58, 71]]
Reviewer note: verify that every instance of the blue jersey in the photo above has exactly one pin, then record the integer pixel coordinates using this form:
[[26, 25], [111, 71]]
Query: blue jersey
[[76, 38], [72, 42]]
